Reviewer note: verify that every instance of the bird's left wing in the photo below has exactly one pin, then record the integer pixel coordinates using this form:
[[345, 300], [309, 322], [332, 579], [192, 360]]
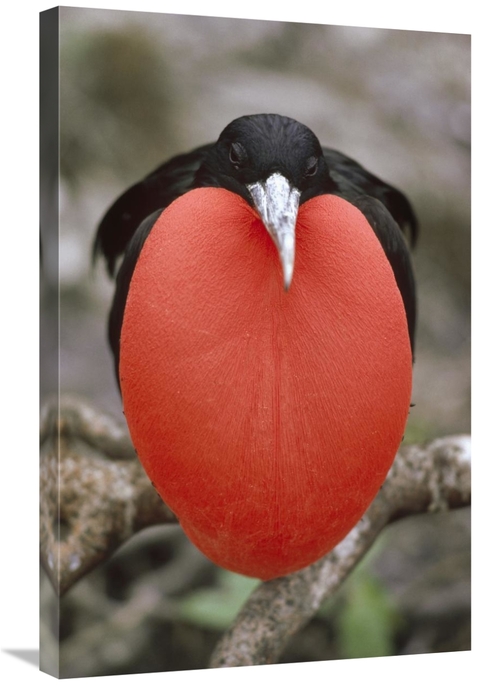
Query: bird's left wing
[[391, 216], [397, 252], [353, 179]]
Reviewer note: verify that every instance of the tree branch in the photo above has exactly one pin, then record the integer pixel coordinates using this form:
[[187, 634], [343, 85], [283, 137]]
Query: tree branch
[[95, 495], [428, 478]]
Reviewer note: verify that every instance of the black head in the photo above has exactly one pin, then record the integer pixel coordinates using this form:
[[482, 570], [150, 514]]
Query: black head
[[274, 163], [253, 147]]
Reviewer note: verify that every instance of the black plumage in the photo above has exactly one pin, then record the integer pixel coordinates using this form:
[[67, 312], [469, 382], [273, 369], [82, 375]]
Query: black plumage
[[249, 150]]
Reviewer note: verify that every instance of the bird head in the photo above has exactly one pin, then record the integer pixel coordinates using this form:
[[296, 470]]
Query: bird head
[[275, 163]]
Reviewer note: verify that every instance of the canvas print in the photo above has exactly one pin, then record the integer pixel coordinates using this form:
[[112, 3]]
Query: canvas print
[[255, 342]]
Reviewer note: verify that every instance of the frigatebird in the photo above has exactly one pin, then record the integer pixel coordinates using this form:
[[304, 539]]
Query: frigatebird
[[267, 417]]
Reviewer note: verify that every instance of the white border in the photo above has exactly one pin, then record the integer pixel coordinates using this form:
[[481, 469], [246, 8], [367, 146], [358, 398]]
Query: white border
[[19, 350]]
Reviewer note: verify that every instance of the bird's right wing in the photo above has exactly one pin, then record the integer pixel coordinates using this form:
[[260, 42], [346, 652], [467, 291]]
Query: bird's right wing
[[123, 278], [156, 191]]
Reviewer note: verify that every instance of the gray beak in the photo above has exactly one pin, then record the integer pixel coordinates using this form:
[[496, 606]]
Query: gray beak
[[277, 203]]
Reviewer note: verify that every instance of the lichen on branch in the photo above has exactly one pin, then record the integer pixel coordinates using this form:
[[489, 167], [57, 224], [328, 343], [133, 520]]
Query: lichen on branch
[[95, 496]]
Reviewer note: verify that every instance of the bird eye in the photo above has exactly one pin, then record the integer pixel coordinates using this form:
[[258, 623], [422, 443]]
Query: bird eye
[[237, 155], [312, 166]]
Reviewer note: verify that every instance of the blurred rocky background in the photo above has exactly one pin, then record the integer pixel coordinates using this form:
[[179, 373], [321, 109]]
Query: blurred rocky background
[[137, 88]]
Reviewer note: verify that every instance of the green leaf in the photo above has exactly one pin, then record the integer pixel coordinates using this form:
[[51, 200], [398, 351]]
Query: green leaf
[[217, 607], [367, 621]]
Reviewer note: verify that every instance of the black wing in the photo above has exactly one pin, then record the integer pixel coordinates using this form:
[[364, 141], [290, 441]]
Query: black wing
[[391, 216], [396, 249], [353, 179], [123, 278], [128, 222], [161, 187]]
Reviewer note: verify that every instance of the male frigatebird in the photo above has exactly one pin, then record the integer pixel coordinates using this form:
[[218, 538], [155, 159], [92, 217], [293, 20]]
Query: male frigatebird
[[262, 329]]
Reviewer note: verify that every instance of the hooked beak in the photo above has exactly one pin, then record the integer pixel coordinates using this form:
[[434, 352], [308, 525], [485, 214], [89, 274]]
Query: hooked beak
[[277, 203]]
